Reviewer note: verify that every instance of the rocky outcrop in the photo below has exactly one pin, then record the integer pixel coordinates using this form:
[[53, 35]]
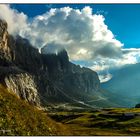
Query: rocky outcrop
[[42, 78], [21, 83], [4, 49], [3, 37], [24, 86]]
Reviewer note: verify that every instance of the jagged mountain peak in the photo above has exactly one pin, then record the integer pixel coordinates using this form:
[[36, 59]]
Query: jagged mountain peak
[[44, 78]]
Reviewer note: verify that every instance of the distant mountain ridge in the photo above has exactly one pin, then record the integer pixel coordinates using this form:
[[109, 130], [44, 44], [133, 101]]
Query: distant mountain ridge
[[125, 82]]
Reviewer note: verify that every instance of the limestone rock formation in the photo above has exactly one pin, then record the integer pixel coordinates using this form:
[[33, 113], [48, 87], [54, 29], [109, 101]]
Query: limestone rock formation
[[42, 78]]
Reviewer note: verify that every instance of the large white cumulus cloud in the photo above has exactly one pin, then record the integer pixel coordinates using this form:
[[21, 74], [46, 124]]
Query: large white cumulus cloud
[[83, 34]]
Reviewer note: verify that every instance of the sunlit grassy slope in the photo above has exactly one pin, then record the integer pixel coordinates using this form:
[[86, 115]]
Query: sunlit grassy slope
[[19, 118]]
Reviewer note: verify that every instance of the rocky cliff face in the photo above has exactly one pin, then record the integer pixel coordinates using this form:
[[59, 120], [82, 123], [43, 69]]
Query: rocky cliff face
[[42, 78], [12, 75], [20, 82], [73, 80], [24, 86], [4, 49]]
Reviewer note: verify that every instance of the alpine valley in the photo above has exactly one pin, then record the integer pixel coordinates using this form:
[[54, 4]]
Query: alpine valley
[[46, 94]]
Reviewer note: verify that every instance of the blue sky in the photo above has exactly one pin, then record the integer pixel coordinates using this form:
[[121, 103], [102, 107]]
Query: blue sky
[[122, 19]]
